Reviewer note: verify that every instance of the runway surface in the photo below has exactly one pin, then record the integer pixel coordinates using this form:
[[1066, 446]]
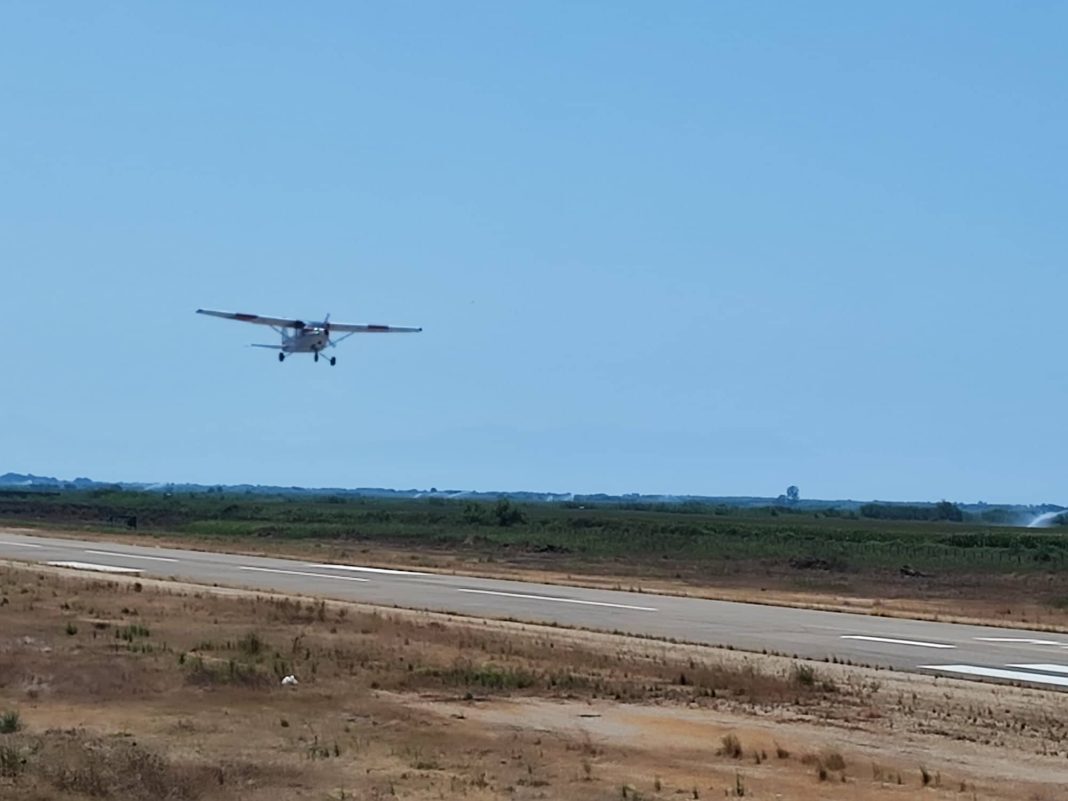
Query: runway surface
[[972, 652]]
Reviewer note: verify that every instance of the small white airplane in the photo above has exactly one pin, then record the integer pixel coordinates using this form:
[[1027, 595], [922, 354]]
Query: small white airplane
[[310, 338]]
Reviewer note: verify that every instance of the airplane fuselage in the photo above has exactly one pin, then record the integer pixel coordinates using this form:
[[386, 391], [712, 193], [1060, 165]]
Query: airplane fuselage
[[307, 340]]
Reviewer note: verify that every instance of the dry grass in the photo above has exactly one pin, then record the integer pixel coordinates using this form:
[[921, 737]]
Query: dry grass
[[174, 692]]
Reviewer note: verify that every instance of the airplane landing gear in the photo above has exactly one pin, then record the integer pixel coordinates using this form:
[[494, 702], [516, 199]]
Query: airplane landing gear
[[333, 360], [316, 355], [281, 357]]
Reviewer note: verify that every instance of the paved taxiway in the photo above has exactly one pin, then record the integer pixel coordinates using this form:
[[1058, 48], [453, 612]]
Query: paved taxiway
[[963, 651]]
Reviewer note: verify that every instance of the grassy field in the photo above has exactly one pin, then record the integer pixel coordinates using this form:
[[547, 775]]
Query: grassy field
[[968, 568], [135, 689], [715, 536]]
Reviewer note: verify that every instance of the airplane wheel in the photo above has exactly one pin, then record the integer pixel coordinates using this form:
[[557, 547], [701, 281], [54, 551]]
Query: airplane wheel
[[333, 360], [281, 357], [317, 356]]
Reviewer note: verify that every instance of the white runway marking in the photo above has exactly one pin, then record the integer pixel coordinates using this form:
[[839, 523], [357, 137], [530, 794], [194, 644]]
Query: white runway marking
[[19, 544], [1020, 640], [132, 556], [892, 641], [94, 566], [1044, 668], [384, 570], [302, 573], [559, 600], [997, 673]]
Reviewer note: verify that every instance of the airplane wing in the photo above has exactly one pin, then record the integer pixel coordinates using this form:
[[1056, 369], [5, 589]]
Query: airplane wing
[[277, 322], [373, 329]]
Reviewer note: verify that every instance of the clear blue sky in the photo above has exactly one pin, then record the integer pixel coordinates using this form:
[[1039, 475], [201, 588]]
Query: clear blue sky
[[712, 248]]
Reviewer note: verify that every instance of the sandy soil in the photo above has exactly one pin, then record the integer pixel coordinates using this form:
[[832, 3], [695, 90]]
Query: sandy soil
[[135, 689]]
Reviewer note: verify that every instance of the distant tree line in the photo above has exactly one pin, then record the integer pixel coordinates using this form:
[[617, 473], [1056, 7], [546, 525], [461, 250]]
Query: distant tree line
[[943, 510]]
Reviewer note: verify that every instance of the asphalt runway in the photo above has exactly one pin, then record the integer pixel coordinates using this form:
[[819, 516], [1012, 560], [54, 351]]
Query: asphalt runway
[[962, 651]]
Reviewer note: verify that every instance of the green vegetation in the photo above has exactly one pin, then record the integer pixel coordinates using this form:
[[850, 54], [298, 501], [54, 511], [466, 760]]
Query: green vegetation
[[943, 510], [487, 677], [11, 761], [132, 632], [711, 539], [251, 645], [10, 722], [804, 675]]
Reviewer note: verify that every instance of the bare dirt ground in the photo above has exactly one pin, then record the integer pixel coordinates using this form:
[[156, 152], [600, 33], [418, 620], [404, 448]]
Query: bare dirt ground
[[132, 689], [991, 599]]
